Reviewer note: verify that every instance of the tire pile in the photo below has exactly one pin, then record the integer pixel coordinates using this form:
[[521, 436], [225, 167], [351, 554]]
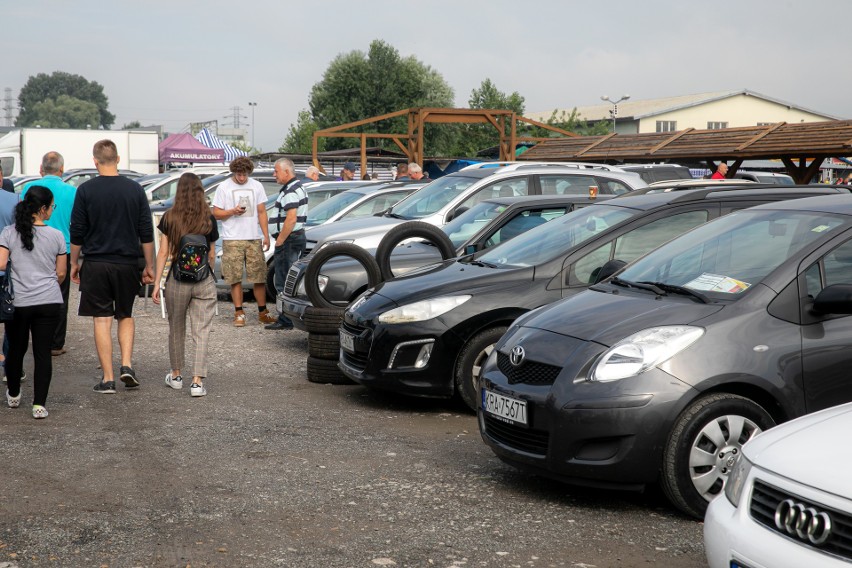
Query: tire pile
[[323, 319]]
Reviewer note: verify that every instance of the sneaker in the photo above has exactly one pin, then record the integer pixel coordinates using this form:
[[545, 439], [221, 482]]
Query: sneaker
[[239, 319], [58, 352], [266, 317], [174, 382], [106, 387], [13, 401], [128, 377], [197, 389], [39, 411]]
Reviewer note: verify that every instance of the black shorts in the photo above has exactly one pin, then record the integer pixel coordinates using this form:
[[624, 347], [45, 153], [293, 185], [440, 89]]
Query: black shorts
[[108, 289]]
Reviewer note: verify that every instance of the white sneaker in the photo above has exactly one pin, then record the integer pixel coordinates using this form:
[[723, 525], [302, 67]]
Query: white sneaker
[[175, 383], [197, 389], [15, 401]]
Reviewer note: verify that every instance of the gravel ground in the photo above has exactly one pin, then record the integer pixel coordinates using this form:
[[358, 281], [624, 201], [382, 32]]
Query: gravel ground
[[271, 470]]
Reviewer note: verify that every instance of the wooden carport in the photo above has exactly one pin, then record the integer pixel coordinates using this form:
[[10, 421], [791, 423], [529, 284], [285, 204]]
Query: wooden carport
[[801, 147], [411, 142]]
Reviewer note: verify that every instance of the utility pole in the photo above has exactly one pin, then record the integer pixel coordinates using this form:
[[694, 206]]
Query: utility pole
[[236, 116], [8, 106], [252, 105]]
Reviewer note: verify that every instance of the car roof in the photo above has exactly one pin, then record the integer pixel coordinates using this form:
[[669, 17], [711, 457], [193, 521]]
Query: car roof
[[544, 200], [840, 204], [743, 192]]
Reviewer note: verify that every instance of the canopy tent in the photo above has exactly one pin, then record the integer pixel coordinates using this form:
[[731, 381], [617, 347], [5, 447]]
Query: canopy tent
[[212, 141], [184, 148]]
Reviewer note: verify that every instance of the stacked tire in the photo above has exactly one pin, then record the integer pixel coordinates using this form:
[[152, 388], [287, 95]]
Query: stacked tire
[[322, 320]]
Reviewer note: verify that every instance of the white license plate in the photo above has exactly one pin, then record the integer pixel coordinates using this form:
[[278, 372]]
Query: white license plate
[[505, 408], [347, 341]]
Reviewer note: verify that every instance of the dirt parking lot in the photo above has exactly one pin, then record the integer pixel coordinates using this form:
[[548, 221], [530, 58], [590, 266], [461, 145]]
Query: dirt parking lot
[[271, 470]]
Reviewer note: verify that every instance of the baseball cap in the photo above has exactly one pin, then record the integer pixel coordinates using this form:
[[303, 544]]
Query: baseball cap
[[349, 166]]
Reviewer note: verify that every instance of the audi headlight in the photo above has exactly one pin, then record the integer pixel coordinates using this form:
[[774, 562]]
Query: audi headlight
[[644, 350], [737, 480], [422, 311]]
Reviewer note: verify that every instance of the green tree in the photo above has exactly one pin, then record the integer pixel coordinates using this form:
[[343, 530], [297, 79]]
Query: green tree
[[573, 123], [358, 85], [299, 137], [132, 125], [476, 137], [42, 87], [65, 112], [245, 147]]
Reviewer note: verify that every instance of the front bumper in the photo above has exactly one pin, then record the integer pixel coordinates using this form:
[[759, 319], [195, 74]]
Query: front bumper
[[293, 307]]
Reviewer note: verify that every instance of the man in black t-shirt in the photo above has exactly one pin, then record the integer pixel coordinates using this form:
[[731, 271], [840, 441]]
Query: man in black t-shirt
[[110, 220]]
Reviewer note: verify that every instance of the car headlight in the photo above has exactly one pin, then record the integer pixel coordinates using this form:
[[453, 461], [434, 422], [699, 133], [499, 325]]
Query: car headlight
[[643, 350], [737, 480], [422, 311]]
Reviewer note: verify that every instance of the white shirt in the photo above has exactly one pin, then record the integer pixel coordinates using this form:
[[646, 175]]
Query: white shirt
[[245, 227]]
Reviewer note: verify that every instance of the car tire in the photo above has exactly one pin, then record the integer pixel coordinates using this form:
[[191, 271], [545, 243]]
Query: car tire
[[325, 254], [322, 320], [271, 291], [324, 346], [409, 230], [470, 361], [325, 371], [704, 443]]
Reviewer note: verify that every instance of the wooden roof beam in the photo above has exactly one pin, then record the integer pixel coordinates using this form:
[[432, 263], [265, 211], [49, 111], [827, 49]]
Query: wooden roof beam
[[769, 130], [665, 143], [596, 143]]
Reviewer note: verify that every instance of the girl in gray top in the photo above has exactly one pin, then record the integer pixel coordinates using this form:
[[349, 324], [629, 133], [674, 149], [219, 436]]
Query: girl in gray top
[[37, 253]]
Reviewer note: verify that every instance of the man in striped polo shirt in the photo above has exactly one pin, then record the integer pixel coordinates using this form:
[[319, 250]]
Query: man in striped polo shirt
[[290, 243]]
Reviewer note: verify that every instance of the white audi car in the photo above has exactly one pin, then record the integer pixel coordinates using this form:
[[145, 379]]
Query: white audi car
[[788, 499]]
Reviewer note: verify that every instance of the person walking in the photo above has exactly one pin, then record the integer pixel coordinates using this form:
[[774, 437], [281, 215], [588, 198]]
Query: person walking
[[51, 170], [38, 266], [290, 242], [189, 215], [110, 222], [240, 203]]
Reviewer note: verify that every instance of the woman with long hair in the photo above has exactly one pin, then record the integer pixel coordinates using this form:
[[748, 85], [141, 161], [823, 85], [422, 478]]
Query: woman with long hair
[[37, 255], [190, 215]]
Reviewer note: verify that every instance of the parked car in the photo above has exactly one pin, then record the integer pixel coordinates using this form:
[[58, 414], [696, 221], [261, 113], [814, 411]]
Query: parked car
[[765, 177], [429, 334], [658, 172], [20, 181], [788, 501], [485, 225], [320, 191], [77, 176], [663, 372], [363, 201], [441, 200]]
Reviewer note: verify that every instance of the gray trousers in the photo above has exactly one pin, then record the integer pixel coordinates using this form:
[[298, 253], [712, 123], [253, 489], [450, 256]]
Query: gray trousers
[[198, 299]]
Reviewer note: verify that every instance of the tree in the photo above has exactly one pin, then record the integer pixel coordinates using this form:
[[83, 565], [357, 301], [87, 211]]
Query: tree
[[476, 137], [299, 137], [43, 87], [65, 112], [244, 147], [573, 123], [358, 85], [132, 125]]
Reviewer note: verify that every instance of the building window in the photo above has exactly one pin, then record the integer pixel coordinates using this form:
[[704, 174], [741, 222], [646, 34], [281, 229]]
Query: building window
[[666, 125], [765, 123], [716, 125]]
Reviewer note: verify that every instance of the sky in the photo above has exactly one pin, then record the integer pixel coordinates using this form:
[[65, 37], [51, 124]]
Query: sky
[[180, 61]]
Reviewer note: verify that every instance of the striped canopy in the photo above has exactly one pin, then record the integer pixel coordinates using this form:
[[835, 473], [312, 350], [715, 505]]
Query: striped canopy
[[211, 141]]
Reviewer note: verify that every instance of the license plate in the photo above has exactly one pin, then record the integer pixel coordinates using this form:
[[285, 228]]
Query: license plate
[[347, 341], [505, 408]]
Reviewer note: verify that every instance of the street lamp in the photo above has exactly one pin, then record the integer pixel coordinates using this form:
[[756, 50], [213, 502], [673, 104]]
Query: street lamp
[[614, 104], [252, 105]]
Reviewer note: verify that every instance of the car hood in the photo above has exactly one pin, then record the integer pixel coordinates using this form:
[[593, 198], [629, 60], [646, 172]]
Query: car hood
[[608, 318], [451, 277], [808, 450], [351, 229]]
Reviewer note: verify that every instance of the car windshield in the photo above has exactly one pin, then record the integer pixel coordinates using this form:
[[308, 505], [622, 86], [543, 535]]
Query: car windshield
[[376, 203], [332, 206], [545, 242], [432, 197], [733, 253], [468, 223]]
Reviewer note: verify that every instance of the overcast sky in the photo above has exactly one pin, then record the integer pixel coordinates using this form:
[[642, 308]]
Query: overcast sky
[[175, 62]]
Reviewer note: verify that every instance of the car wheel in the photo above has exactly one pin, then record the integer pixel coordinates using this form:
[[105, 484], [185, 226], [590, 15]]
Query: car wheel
[[271, 291], [324, 346], [469, 364], [325, 254], [323, 321], [325, 371], [704, 445], [410, 230]]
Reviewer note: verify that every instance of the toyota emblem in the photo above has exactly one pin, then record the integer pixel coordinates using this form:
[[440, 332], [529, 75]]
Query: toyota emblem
[[516, 357]]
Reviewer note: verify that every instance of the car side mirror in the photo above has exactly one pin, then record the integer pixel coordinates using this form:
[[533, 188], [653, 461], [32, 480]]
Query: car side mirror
[[834, 299], [609, 268], [470, 249], [453, 214]]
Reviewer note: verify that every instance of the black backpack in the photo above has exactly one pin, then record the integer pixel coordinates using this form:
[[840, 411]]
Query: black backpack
[[192, 262]]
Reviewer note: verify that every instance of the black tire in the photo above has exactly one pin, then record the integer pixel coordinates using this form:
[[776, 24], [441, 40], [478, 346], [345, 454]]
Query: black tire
[[409, 230], [271, 291], [469, 363], [325, 371], [324, 346], [323, 321], [691, 487], [374, 275]]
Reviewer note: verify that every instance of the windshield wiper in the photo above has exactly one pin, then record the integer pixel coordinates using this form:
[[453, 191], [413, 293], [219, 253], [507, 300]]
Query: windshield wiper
[[640, 285], [394, 215], [481, 263], [682, 290]]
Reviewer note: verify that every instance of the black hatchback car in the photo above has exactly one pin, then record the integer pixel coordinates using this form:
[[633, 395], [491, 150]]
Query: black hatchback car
[[429, 332], [663, 372]]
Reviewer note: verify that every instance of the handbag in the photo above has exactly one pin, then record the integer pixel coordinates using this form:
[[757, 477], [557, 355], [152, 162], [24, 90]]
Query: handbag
[[7, 295]]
